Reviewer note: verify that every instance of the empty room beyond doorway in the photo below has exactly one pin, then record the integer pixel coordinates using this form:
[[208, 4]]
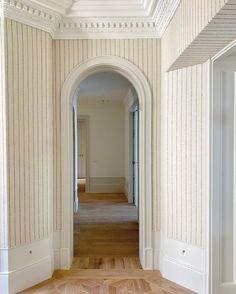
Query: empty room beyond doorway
[[106, 229]]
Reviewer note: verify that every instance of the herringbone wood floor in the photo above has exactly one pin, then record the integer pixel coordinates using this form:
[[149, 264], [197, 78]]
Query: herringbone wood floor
[[106, 253]]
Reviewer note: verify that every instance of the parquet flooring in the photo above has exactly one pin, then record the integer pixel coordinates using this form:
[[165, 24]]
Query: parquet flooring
[[106, 253]]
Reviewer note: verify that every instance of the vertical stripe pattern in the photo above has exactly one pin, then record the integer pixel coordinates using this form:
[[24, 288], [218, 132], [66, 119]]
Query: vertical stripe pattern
[[191, 17], [3, 146], [29, 120], [183, 153]]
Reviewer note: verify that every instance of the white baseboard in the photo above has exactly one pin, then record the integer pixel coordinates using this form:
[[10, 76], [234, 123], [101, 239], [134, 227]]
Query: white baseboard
[[106, 185], [25, 266], [182, 263], [4, 283], [30, 275], [182, 274], [62, 256]]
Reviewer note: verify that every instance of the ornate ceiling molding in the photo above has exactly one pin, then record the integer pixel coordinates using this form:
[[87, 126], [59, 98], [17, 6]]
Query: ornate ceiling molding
[[163, 14], [121, 28], [51, 16], [59, 6], [32, 14]]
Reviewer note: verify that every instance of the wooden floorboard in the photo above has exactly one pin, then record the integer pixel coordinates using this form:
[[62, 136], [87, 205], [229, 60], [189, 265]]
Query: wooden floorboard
[[106, 238]]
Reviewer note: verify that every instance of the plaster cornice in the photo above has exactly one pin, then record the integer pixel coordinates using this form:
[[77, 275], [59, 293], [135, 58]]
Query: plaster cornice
[[31, 14], [50, 16], [107, 28]]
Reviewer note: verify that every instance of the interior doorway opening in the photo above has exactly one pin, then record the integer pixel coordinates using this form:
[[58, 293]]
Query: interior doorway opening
[[223, 171], [133, 74], [107, 198]]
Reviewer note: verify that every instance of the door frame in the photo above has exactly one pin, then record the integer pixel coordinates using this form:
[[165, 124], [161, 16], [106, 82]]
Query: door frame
[[213, 202], [85, 118], [132, 73]]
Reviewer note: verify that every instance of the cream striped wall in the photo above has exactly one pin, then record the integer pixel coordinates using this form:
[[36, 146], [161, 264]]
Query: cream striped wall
[[69, 53], [184, 153], [29, 120], [184, 126], [3, 147], [189, 20]]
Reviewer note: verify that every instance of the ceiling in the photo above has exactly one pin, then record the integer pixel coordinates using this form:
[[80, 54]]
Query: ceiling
[[103, 88], [74, 19], [111, 8]]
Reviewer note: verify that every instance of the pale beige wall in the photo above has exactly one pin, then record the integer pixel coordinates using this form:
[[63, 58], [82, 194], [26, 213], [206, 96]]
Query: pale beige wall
[[3, 147], [189, 20], [145, 54], [29, 120], [184, 127], [184, 145]]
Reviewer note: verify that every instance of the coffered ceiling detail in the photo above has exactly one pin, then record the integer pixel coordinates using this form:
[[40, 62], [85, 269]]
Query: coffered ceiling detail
[[74, 19]]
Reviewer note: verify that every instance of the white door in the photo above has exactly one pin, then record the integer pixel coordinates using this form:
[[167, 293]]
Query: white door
[[224, 200], [82, 139]]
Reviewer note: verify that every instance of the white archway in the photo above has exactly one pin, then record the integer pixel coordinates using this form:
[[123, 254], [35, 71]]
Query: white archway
[[138, 80]]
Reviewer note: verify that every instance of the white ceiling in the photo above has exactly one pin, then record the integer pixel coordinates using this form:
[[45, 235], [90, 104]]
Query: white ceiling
[[111, 8], [103, 88]]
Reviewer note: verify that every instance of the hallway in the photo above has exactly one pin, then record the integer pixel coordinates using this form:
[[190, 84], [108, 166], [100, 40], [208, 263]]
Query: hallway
[[106, 253], [106, 227]]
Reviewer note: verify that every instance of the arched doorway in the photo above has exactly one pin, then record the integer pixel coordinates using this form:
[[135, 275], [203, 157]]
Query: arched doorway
[[139, 82]]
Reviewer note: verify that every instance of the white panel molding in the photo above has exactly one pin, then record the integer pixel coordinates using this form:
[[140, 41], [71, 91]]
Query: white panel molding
[[51, 17], [181, 263], [24, 266]]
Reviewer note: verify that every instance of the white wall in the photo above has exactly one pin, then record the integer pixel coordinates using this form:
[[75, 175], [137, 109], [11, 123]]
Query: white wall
[[106, 144]]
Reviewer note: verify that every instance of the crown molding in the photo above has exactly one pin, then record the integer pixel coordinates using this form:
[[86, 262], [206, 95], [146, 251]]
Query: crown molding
[[165, 10], [120, 28], [109, 9], [31, 14], [59, 6], [49, 16]]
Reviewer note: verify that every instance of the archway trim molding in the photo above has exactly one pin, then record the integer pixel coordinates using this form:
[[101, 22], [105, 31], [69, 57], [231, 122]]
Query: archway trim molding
[[141, 85]]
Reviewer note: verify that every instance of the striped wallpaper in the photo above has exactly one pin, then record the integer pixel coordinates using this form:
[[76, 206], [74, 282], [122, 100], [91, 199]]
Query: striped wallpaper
[[184, 127], [189, 20], [29, 121], [184, 153], [69, 53], [3, 146], [34, 148]]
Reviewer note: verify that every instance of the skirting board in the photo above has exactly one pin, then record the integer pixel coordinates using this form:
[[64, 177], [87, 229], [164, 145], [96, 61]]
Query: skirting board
[[183, 275], [182, 263], [25, 266], [106, 185], [30, 275]]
